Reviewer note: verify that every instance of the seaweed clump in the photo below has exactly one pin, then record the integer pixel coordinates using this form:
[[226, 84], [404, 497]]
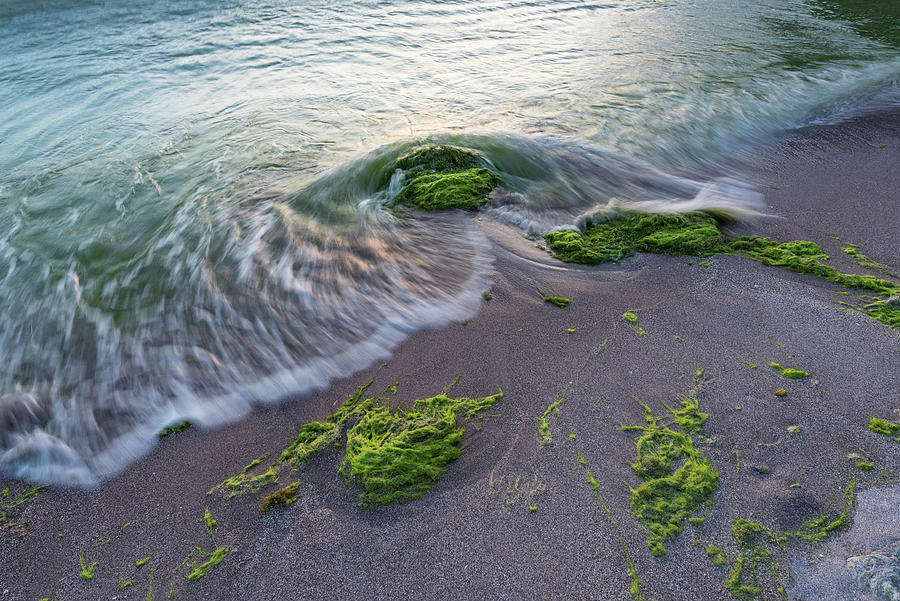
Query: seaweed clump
[[558, 301], [284, 497], [398, 455], [669, 495], [885, 428], [613, 237], [616, 237], [393, 454], [174, 428], [445, 177]]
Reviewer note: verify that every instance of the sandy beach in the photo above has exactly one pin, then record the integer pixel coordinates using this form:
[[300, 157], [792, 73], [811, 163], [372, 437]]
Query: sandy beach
[[515, 519]]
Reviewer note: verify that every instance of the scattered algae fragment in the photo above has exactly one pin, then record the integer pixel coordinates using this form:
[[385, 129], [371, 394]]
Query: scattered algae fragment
[[141, 562], [284, 497], [445, 177], [629, 316], [208, 520], [678, 480], [717, 555], [780, 392], [175, 428], [864, 261], [558, 301], [87, 569], [487, 296], [754, 542], [399, 455], [244, 482], [214, 558], [793, 374], [885, 428], [545, 436]]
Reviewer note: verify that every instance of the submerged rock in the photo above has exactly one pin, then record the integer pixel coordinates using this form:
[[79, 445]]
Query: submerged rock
[[878, 572]]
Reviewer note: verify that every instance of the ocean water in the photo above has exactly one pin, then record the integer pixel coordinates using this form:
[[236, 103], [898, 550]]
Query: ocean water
[[192, 192]]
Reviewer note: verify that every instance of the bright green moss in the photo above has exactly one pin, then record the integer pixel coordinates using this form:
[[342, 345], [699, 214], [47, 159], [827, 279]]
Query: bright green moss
[[465, 190], [557, 301], [793, 374], [208, 520], [610, 238], [175, 428], [87, 568], [396, 456], [284, 497], [545, 436], [445, 177], [717, 555], [438, 159], [678, 480], [214, 558], [885, 428]]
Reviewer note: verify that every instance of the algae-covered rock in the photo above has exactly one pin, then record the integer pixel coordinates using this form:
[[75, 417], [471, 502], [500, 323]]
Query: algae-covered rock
[[445, 177], [878, 572]]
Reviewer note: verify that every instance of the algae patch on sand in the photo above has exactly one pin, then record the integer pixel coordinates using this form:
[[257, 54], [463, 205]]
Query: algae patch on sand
[[885, 428], [677, 479], [611, 237], [445, 177], [391, 454]]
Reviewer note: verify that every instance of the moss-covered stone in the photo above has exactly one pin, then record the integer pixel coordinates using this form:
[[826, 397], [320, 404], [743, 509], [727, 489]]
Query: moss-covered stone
[[445, 177]]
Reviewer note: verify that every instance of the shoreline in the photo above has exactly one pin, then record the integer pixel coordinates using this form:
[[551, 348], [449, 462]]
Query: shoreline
[[466, 537]]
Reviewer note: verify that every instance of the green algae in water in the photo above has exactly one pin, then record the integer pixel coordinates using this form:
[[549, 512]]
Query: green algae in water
[[175, 429], [885, 427], [397, 456], [445, 177], [670, 495]]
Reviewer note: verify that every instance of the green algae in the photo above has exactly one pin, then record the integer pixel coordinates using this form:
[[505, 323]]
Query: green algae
[[635, 582], [438, 159], [689, 418], [141, 561], [487, 296], [629, 316], [246, 482], [87, 568], [284, 497], [174, 429], [668, 495], [515, 488], [466, 190], [213, 558], [717, 556], [755, 543], [794, 374], [7, 507], [208, 520], [398, 455], [392, 454], [445, 177], [780, 392], [885, 428], [557, 301], [864, 261], [612, 237], [545, 436]]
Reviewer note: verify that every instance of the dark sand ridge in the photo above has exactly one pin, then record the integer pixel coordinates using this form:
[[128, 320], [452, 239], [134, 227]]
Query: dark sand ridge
[[469, 538]]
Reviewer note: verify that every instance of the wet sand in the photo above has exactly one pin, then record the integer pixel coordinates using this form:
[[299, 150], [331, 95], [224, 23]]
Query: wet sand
[[474, 536]]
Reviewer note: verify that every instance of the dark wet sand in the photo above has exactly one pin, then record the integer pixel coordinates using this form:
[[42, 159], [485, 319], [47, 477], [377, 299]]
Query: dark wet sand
[[469, 538]]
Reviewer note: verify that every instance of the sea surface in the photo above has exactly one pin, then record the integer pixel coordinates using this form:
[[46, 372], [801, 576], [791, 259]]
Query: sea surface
[[192, 192]]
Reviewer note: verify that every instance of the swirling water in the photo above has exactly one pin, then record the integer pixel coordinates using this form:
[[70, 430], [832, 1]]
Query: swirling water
[[191, 192]]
